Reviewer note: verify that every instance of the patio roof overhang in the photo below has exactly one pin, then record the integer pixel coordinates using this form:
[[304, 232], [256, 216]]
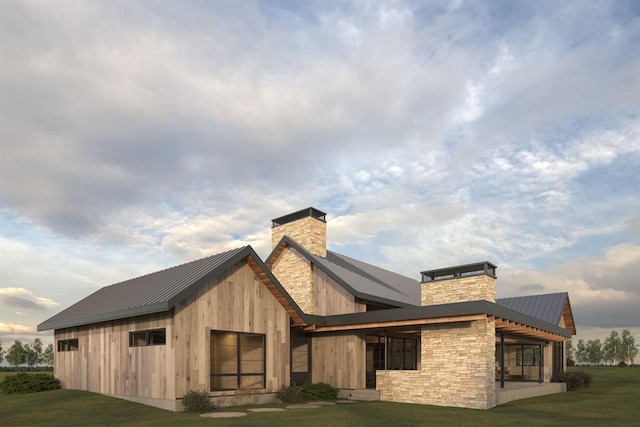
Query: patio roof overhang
[[507, 321], [519, 329]]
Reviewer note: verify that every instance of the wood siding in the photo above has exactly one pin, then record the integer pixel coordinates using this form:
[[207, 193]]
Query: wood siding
[[332, 298], [234, 301], [339, 359], [104, 362], [239, 302]]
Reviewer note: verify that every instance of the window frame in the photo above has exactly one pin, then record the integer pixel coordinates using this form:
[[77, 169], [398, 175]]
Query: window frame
[[66, 344], [238, 374], [149, 335]]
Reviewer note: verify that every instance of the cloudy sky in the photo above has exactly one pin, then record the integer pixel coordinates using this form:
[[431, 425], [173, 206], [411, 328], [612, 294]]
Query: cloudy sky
[[137, 135]]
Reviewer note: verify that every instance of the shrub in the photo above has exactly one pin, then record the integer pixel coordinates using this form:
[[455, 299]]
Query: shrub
[[290, 394], [28, 383], [575, 380], [196, 401], [318, 391], [622, 364]]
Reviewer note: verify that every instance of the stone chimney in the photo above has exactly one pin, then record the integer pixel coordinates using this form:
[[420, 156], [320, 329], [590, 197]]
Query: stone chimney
[[308, 227], [471, 282]]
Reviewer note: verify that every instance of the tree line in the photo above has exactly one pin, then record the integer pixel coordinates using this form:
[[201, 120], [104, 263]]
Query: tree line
[[27, 354], [616, 349]]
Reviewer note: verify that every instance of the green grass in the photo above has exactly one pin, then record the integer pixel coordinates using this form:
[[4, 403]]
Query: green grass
[[612, 400]]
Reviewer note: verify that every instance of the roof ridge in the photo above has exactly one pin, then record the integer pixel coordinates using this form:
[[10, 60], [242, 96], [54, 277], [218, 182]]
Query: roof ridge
[[536, 295], [373, 265], [175, 266]]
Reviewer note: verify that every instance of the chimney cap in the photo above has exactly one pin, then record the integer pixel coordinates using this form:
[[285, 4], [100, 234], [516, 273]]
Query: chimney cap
[[303, 213], [457, 271]]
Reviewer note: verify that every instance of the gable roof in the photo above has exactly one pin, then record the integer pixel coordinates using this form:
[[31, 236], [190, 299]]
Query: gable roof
[[363, 280], [547, 307], [163, 290]]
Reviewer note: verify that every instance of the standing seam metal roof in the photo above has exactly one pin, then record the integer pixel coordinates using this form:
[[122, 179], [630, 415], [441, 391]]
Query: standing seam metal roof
[[151, 293], [364, 280], [546, 307]]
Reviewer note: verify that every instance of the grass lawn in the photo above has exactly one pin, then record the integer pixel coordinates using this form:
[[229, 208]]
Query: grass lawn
[[611, 400]]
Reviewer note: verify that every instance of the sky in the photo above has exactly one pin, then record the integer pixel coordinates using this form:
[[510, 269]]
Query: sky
[[138, 135]]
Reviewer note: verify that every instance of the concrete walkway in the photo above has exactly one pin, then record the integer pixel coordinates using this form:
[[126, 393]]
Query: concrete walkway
[[308, 405]]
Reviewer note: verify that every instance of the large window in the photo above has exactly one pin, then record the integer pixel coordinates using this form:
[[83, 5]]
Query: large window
[[68, 345], [237, 361], [528, 356], [149, 337]]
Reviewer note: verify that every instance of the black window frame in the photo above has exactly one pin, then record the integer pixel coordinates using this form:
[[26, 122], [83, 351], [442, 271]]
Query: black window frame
[[238, 374], [150, 337], [67, 344]]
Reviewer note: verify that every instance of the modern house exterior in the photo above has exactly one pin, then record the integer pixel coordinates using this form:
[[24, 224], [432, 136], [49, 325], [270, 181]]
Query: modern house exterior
[[242, 328]]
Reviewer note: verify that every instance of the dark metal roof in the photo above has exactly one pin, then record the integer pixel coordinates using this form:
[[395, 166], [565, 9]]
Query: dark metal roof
[[365, 281], [303, 213], [152, 293], [437, 311], [547, 307]]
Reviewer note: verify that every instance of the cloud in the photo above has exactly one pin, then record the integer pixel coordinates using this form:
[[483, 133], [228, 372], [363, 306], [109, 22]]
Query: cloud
[[603, 290], [141, 136], [20, 298], [13, 329]]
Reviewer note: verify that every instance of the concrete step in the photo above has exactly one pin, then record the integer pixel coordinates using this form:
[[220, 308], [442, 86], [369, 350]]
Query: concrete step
[[359, 394]]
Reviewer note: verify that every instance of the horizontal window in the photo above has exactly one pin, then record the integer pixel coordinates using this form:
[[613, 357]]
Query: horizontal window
[[68, 344], [148, 337]]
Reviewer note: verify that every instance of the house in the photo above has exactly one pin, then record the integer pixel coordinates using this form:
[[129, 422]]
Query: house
[[242, 328]]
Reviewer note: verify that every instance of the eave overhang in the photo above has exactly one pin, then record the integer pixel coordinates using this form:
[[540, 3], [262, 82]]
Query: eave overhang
[[506, 320]]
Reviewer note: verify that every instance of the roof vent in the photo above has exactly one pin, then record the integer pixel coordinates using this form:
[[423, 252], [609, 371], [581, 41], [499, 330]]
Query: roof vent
[[459, 271], [308, 212]]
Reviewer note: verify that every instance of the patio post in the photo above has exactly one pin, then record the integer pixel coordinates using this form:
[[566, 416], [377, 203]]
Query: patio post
[[541, 363], [386, 345], [501, 359]]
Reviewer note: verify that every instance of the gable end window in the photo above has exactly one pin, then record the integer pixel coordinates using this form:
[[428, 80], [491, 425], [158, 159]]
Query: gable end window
[[237, 361], [148, 337], [68, 344]]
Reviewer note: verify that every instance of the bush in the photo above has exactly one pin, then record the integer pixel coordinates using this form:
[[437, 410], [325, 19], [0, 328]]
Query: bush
[[318, 391], [290, 394], [26, 368], [28, 383], [196, 401], [622, 364], [575, 380]]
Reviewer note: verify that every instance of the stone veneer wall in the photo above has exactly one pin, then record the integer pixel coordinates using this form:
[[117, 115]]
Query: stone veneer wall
[[457, 368], [471, 288], [294, 272], [309, 232]]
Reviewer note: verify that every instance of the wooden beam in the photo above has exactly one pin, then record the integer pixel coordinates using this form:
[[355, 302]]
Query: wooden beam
[[264, 278], [398, 323]]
